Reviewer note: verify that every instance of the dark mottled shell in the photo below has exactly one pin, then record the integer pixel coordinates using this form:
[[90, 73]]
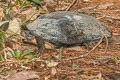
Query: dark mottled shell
[[63, 28]]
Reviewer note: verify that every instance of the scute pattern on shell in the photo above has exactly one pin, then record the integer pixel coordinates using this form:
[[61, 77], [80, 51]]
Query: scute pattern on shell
[[64, 28]]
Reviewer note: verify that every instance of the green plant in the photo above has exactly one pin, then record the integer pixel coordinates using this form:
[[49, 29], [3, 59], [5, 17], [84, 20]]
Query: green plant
[[17, 2], [76, 67], [19, 55], [116, 59], [2, 40], [7, 13], [27, 2], [2, 44], [38, 2], [2, 58], [24, 3]]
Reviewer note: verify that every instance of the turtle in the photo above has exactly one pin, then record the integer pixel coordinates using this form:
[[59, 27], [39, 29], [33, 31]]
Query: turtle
[[67, 29]]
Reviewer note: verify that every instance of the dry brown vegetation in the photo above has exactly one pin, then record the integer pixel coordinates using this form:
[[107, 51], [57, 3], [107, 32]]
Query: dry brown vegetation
[[98, 65]]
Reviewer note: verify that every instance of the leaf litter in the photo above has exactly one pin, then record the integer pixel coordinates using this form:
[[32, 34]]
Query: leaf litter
[[96, 66]]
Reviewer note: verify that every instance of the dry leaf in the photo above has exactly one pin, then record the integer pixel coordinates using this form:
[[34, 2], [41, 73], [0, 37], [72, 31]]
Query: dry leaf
[[51, 2], [2, 15], [47, 77], [31, 13], [24, 75], [49, 45], [14, 26], [52, 63], [53, 71], [77, 48], [85, 0], [105, 6], [50, 5]]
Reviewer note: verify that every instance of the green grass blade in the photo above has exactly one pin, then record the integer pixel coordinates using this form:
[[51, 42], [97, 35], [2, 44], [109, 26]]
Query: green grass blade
[[2, 58], [38, 2], [27, 53], [7, 13], [17, 54], [24, 3], [2, 41]]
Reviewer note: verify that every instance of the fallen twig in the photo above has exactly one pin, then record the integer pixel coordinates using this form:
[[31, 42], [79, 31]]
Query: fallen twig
[[68, 8], [101, 17], [106, 44], [89, 51]]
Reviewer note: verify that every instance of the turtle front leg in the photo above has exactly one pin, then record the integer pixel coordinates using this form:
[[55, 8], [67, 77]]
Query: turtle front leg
[[40, 45]]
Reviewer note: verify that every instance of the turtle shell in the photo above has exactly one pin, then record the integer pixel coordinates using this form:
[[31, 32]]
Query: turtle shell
[[64, 28]]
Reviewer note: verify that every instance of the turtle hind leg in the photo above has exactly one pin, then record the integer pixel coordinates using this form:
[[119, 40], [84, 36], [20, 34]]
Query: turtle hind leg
[[40, 45]]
